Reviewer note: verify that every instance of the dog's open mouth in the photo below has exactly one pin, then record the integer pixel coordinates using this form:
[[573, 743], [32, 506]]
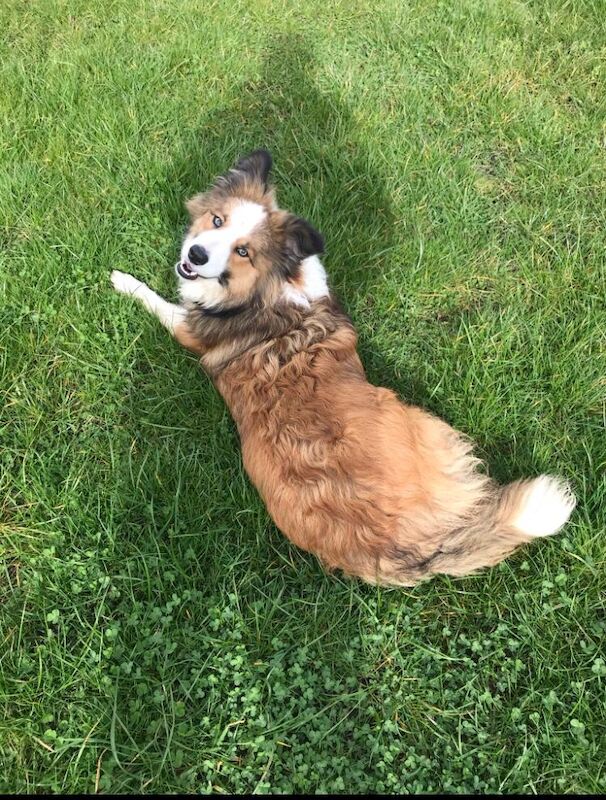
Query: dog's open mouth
[[185, 271]]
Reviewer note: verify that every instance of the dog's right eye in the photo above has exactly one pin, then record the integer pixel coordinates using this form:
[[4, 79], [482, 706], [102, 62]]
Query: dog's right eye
[[217, 221]]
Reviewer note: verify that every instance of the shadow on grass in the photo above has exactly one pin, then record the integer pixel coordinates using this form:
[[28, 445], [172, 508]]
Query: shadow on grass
[[321, 171]]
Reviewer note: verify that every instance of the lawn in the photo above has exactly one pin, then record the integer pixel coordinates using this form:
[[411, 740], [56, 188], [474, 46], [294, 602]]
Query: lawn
[[158, 634]]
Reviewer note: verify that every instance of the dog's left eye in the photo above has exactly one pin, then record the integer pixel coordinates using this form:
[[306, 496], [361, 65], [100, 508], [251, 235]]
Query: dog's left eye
[[217, 221], [242, 251]]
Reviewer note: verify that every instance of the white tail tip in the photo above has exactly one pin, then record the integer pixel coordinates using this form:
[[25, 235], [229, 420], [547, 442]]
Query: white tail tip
[[544, 507]]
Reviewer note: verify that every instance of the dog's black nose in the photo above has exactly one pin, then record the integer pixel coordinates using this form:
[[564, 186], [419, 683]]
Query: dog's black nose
[[197, 255]]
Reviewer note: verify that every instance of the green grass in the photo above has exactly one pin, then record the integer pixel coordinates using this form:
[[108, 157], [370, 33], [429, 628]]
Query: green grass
[[158, 633]]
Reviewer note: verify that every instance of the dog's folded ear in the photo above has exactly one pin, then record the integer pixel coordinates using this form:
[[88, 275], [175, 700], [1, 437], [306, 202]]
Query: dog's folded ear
[[298, 240], [301, 237], [256, 165]]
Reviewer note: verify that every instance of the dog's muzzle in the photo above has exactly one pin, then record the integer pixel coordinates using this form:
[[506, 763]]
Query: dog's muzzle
[[185, 271]]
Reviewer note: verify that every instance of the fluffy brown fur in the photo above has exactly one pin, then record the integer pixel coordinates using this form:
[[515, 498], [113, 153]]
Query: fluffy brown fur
[[374, 487]]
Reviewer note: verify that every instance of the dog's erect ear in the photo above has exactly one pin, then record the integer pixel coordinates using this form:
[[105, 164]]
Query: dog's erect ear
[[248, 178], [196, 206], [257, 165], [301, 238]]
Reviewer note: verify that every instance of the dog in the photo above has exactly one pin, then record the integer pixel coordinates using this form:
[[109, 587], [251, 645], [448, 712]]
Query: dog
[[374, 487]]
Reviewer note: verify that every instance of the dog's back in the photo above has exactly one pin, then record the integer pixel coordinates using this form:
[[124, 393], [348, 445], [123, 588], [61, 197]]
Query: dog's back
[[379, 489]]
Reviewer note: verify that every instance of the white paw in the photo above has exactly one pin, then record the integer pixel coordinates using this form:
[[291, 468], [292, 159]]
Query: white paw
[[125, 283]]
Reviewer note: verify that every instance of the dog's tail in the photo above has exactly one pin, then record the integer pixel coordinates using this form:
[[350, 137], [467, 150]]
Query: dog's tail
[[537, 507], [515, 514]]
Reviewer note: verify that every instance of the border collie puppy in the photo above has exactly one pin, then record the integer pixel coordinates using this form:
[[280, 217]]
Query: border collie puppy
[[372, 486]]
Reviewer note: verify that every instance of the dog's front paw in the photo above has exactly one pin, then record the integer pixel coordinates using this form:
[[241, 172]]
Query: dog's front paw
[[125, 283]]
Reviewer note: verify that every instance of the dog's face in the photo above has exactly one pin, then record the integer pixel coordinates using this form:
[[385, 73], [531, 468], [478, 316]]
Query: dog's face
[[240, 248]]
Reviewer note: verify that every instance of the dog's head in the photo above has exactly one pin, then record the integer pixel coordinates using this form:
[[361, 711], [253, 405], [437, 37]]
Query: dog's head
[[240, 249]]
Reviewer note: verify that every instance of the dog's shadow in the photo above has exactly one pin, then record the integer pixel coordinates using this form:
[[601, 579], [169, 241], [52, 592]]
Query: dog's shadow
[[323, 172]]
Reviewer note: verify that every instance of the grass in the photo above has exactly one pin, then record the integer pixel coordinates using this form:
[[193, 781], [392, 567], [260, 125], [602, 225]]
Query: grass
[[158, 633]]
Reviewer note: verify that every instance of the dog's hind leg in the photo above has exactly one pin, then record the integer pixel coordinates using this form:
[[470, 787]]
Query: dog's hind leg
[[169, 314]]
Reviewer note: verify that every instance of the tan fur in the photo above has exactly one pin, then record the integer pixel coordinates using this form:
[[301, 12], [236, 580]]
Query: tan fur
[[185, 337], [348, 472], [374, 487]]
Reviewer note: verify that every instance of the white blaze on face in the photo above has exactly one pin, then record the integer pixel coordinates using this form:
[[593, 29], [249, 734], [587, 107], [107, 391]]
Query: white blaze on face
[[219, 244]]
